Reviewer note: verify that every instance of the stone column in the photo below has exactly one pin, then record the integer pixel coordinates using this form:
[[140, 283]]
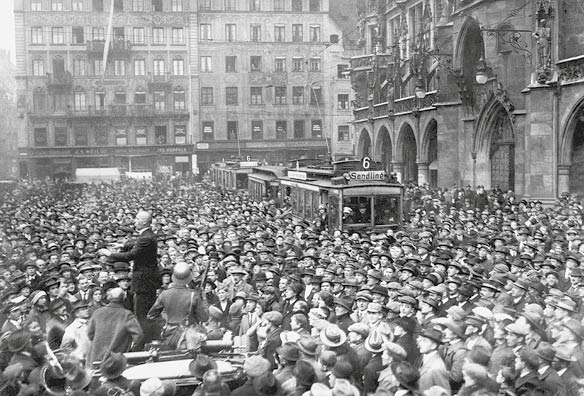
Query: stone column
[[563, 179], [398, 168], [423, 173]]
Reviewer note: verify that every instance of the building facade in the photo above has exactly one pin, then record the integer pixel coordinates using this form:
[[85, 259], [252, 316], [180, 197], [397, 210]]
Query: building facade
[[473, 93], [83, 109], [272, 85], [10, 121]]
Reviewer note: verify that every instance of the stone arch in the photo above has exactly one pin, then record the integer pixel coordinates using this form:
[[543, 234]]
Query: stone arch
[[429, 152], [384, 148], [494, 147], [364, 147], [470, 47], [571, 151], [407, 154]]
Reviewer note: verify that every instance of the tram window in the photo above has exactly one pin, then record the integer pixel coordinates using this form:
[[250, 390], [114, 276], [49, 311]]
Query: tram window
[[307, 204], [361, 210], [333, 211], [386, 210]]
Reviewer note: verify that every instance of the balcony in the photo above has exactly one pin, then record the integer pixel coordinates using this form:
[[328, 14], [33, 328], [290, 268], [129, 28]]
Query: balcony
[[366, 62], [95, 46], [271, 144], [412, 104], [60, 81], [117, 47], [571, 70], [159, 82], [361, 113]]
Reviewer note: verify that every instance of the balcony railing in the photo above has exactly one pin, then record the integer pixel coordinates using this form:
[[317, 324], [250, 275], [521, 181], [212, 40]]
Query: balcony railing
[[127, 110], [571, 70], [412, 103], [365, 62], [361, 113], [119, 46], [59, 80]]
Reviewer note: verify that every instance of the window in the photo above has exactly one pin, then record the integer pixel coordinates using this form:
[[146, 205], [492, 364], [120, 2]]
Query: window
[[78, 37], [97, 5], [279, 95], [281, 128], [206, 95], [205, 4], [230, 5], [232, 130], [39, 101], [178, 67], [205, 31], [299, 129], [314, 33], [99, 100], [208, 130], [280, 64], [256, 97], [279, 5], [206, 64], [157, 5], [257, 130], [38, 67], [180, 134], [119, 67], [97, 67], [56, 5], [98, 33], [231, 96], [40, 137], [58, 65], [58, 36], [80, 136], [121, 136], [77, 5], [139, 35], [314, 64], [158, 35], [230, 64], [178, 35], [297, 33], [316, 129], [316, 96], [297, 64], [255, 5], [256, 33], [159, 100], [140, 98], [159, 67], [80, 102], [78, 67], [298, 95], [297, 5], [255, 63], [60, 136], [101, 136], [138, 5], [343, 133], [36, 35], [343, 101], [141, 135], [119, 34], [279, 33], [176, 5], [139, 67], [179, 100], [314, 5], [36, 5], [342, 71], [118, 5], [160, 134], [230, 32]]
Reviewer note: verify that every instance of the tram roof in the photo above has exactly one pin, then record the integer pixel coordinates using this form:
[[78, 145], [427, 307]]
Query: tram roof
[[277, 171], [329, 184]]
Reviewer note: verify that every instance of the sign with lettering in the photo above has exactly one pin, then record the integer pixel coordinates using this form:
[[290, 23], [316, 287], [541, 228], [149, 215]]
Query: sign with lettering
[[297, 175], [365, 176], [105, 151]]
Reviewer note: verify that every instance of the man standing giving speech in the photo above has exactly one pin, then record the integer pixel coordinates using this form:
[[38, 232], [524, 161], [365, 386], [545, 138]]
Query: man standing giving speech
[[146, 278]]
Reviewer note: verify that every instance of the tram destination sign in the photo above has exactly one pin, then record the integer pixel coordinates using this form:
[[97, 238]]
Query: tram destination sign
[[365, 176]]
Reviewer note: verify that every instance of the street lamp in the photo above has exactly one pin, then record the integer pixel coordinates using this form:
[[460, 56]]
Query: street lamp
[[482, 75], [420, 89]]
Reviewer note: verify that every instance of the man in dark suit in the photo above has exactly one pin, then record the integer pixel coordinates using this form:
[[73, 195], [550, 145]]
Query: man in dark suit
[[146, 277]]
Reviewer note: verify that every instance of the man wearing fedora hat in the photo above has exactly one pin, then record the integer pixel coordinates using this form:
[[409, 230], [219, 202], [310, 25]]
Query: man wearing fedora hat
[[333, 338], [432, 370], [112, 368], [75, 336], [373, 344], [271, 322]]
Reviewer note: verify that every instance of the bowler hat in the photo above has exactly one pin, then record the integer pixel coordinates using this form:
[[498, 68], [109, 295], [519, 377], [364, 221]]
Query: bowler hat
[[289, 351], [333, 336], [432, 333], [199, 366], [113, 365], [307, 345]]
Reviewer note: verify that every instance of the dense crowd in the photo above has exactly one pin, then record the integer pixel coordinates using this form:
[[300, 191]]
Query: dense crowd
[[479, 293]]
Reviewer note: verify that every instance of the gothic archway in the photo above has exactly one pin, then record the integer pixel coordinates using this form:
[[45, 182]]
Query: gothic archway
[[430, 148], [409, 154], [577, 167], [364, 146], [502, 151], [469, 50], [384, 148]]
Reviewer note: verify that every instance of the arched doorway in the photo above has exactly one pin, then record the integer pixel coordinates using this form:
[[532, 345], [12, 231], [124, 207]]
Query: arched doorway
[[432, 153], [470, 50], [409, 153], [502, 151], [577, 168], [364, 147], [384, 149]]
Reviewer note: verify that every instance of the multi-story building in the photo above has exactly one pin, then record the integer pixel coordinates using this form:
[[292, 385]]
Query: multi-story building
[[473, 92], [127, 107], [271, 74], [10, 122]]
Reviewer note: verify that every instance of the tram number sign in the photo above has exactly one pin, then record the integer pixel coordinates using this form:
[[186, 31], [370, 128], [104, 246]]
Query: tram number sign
[[365, 176], [366, 163]]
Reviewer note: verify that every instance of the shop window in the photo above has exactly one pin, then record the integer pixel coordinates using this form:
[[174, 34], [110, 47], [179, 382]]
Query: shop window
[[81, 136], [316, 129], [232, 130], [121, 137], [160, 134], [208, 130], [180, 134], [257, 130], [141, 136], [281, 130]]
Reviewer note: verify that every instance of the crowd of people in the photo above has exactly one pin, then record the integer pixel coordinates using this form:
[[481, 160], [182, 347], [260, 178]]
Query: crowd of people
[[479, 293]]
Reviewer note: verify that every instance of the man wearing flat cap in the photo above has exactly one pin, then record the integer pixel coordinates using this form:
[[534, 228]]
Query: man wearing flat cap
[[433, 370], [271, 322]]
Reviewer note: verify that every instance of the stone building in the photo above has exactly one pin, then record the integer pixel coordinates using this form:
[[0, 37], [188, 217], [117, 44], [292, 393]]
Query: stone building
[[10, 121], [129, 110], [474, 93]]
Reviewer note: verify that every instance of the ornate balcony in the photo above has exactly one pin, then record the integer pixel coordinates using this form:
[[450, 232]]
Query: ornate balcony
[[60, 81], [159, 82], [571, 70], [366, 62]]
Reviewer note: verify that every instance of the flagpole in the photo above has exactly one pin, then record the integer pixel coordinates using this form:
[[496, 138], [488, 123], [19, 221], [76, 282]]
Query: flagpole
[[108, 37]]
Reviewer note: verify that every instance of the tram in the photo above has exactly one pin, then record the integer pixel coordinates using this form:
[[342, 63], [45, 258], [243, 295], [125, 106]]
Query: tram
[[358, 194], [232, 175], [263, 182]]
